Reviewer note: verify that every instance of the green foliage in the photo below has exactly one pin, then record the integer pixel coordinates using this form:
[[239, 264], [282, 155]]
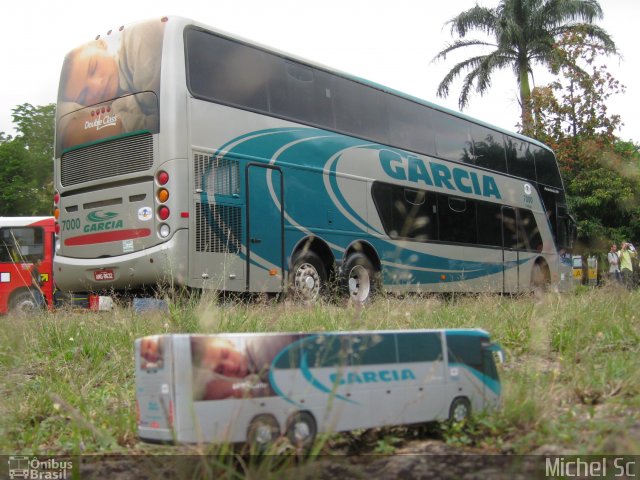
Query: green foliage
[[520, 33], [600, 171], [26, 162]]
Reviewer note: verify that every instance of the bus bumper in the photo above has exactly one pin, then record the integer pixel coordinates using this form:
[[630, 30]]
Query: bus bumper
[[165, 263]]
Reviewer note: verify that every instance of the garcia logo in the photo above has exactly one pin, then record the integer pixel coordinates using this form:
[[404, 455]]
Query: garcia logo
[[438, 175], [102, 222]]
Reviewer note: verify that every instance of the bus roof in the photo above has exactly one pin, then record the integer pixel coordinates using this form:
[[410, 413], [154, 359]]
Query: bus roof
[[23, 221], [470, 331]]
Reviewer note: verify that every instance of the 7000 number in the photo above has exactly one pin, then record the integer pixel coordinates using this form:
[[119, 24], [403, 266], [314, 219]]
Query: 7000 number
[[73, 224]]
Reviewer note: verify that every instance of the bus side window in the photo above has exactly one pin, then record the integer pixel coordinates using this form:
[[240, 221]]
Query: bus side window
[[465, 349], [455, 217], [488, 149], [419, 347], [453, 140], [520, 160]]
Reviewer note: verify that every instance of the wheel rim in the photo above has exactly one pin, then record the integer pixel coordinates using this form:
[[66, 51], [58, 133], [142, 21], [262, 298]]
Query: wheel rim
[[359, 283], [25, 305], [264, 434], [301, 432], [460, 412], [307, 281]]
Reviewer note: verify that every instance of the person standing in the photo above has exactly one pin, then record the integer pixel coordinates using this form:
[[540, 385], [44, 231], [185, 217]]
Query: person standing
[[614, 264], [626, 266], [36, 283]]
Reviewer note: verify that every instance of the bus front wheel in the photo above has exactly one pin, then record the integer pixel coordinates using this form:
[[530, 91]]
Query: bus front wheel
[[460, 410], [308, 277], [301, 430], [540, 278]]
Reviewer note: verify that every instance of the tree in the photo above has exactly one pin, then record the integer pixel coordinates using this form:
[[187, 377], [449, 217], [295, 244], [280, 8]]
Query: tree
[[522, 33], [26, 162], [600, 171]]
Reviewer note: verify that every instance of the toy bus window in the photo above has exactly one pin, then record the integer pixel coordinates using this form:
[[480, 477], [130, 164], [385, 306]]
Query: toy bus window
[[466, 350], [374, 349], [419, 347]]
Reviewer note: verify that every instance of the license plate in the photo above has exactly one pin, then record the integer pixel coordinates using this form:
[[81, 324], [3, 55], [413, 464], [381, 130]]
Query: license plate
[[101, 275]]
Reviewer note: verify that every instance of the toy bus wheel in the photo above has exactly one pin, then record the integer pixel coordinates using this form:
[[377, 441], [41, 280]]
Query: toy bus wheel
[[301, 430], [460, 410], [24, 302], [263, 431], [308, 277], [360, 278]]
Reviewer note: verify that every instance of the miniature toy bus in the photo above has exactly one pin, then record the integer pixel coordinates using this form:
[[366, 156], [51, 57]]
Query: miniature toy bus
[[255, 388]]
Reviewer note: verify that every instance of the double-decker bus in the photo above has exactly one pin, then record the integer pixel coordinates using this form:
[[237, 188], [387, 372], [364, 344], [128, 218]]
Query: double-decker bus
[[23, 242], [187, 155], [256, 387]]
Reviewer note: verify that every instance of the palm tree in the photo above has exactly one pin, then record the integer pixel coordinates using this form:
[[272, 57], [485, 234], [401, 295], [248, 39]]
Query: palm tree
[[522, 33]]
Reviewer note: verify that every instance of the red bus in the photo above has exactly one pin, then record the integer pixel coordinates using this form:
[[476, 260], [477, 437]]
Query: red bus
[[24, 241]]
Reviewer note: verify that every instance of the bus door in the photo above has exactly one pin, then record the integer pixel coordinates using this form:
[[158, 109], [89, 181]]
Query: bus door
[[510, 253], [265, 228]]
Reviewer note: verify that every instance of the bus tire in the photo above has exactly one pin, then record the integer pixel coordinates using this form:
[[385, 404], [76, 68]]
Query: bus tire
[[539, 279], [263, 431], [360, 278], [460, 410], [308, 277], [24, 302], [301, 430]]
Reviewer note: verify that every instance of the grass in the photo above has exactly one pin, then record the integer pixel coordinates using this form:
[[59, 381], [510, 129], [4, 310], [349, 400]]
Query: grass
[[571, 381]]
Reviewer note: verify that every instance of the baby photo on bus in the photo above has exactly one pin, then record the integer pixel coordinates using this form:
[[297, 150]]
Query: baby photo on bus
[[151, 352], [122, 67], [234, 367]]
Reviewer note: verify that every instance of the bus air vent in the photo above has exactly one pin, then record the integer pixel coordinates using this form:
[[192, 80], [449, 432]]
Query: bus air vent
[[218, 228], [216, 175], [121, 156]]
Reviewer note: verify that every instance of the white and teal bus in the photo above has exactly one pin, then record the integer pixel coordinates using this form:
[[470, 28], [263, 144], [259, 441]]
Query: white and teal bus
[[190, 156], [257, 387]]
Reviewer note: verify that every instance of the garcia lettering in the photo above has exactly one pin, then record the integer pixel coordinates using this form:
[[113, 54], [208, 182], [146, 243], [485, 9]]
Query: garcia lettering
[[434, 174]]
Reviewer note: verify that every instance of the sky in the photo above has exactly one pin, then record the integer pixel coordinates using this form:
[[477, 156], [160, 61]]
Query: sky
[[388, 42]]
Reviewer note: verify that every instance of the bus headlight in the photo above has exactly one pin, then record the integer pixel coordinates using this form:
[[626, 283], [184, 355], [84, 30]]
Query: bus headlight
[[165, 230]]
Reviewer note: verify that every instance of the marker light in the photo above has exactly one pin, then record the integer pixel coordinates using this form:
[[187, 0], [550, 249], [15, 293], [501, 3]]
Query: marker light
[[163, 177], [163, 213], [165, 230], [56, 213], [163, 195], [57, 228], [56, 198]]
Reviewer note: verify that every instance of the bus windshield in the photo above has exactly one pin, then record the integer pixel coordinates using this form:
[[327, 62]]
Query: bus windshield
[[110, 86]]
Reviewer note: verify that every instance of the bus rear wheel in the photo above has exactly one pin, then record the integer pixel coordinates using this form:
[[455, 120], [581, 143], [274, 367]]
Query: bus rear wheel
[[263, 431], [301, 430], [360, 278], [460, 410], [308, 277]]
